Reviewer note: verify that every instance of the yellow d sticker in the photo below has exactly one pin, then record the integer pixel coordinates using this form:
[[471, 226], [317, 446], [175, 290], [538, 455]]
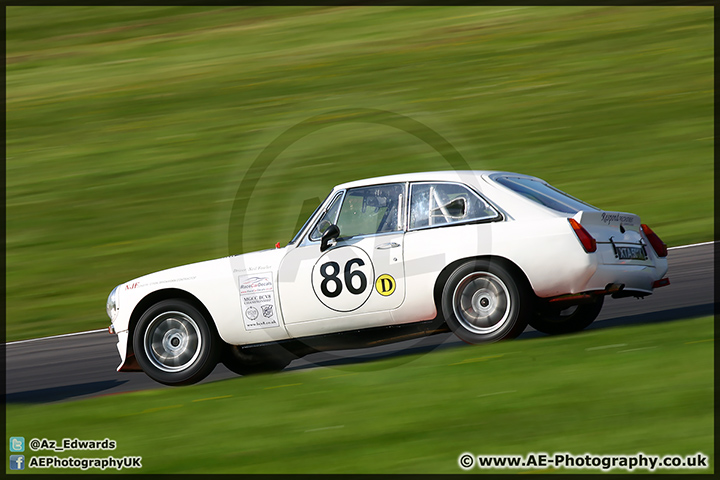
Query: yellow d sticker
[[385, 285]]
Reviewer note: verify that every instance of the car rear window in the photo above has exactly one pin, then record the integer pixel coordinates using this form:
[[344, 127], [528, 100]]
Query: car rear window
[[544, 194]]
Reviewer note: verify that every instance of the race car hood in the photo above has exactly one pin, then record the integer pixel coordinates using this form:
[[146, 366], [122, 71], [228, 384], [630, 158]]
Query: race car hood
[[265, 260]]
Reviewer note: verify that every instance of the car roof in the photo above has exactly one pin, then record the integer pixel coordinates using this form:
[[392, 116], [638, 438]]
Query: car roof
[[464, 176]]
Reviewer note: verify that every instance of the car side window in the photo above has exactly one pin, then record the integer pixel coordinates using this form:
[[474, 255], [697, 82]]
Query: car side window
[[327, 219], [435, 204], [371, 210]]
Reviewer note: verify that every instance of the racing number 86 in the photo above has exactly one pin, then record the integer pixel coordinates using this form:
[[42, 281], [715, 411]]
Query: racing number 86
[[332, 277]]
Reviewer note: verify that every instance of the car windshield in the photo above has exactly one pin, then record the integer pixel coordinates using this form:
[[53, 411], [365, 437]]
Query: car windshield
[[297, 234], [327, 219], [544, 194]]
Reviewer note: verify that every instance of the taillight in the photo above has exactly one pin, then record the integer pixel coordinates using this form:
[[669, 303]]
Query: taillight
[[588, 242], [657, 244]]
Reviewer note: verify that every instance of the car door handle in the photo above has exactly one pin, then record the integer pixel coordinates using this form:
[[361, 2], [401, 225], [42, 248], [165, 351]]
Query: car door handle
[[385, 246]]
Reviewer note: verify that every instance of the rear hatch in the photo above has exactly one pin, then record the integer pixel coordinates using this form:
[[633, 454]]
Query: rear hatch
[[618, 237]]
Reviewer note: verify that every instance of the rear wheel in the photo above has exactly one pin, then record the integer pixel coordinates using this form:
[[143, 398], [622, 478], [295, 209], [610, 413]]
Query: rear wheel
[[272, 358], [174, 344], [482, 303], [555, 321]]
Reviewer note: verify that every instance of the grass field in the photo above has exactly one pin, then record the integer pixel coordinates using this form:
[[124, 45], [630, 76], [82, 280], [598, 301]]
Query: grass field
[[643, 388], [130, 129]]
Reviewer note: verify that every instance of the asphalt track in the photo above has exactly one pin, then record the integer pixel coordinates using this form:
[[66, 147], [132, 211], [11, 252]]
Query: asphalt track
[[74, 367]]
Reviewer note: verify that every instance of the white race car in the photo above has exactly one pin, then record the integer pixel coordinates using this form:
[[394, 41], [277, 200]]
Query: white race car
[[480, 253]]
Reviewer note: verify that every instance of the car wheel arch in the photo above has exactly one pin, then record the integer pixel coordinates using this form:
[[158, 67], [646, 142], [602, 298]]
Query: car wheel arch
[[442, 278], [166, 294]]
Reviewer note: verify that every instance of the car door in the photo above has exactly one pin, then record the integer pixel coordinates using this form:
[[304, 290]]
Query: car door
[[359, 279]]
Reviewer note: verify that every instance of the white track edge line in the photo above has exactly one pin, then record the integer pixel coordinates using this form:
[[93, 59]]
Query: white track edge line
[[693, 245], [105, 329], [56, 336]]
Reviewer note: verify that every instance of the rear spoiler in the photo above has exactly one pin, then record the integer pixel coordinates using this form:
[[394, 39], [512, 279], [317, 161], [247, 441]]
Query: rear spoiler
[[628, 221]]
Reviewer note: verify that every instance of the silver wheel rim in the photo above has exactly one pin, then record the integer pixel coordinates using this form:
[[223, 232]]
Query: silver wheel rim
[[481, 303], [568, 312], [172, 341]]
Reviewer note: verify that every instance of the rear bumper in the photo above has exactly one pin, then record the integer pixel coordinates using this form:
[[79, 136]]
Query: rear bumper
[[596, 278], [641, 279]]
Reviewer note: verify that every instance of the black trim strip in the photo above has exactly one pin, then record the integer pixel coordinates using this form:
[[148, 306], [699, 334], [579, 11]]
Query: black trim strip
[[361, 338]]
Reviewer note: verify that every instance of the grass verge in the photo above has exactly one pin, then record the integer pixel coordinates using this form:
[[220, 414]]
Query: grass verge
[[644, 388]]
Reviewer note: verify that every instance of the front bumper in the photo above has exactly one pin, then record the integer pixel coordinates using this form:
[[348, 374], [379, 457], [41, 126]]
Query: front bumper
[[128, 363]]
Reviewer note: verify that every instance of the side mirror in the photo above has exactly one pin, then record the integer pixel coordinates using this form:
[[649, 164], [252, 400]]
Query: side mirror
[[331, 234]]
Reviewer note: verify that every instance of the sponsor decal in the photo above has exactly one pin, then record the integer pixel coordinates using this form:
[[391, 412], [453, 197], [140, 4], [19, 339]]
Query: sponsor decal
[[257, 294], [385, 285], [617, 217], [256, 284], [134, 285], [252, 268]]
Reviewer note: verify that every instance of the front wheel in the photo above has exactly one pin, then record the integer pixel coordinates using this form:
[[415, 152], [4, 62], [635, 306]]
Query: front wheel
[[572, 319], [174, 344], [482, 302]]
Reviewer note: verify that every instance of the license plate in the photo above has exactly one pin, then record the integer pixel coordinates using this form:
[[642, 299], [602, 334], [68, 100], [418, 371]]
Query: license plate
[[631, 253]]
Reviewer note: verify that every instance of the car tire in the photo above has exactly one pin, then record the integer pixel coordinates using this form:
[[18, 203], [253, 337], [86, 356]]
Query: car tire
[[482, 302], [174, 344], [255, 360], [573, 319]]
